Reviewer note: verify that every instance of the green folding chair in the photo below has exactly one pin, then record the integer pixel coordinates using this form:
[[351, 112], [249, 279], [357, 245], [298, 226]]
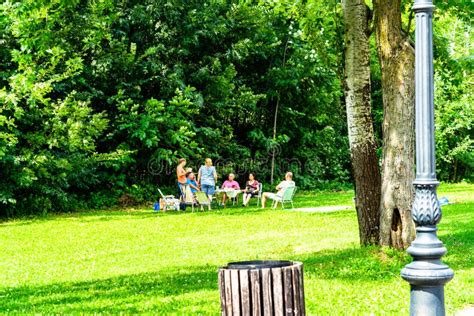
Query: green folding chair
[[286, 197], [203, 200]]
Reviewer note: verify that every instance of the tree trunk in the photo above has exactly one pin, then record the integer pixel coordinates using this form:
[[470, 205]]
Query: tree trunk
[[275, 118], [359, 120], [397, 60]]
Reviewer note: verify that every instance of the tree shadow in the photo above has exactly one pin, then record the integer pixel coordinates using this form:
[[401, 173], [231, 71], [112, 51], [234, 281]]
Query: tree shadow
[[113, 295], [175, 290], [86, 216], [376, 264], [355, 264], [460, 247], [167, 292], [138, 214]]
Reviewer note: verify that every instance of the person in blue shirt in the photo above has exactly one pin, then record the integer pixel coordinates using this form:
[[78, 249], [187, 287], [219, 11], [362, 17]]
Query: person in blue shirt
[[207, 177], [191, 181]]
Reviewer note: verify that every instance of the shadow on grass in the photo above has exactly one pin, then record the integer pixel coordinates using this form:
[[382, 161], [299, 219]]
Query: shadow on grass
[[118, 294], [376, 264], [167, 292], [355, 264], [175, 290], [93, 215], [460, 247], [141, 213]]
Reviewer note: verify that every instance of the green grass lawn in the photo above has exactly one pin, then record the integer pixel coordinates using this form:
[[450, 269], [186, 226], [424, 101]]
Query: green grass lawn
[[136, 260]]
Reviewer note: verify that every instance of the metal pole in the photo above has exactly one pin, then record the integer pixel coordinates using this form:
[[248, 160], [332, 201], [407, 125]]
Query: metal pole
[[427, 275]]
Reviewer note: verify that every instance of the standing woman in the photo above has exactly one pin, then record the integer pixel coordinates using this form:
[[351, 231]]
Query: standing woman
[[251, 189], [207, 177], [181, 174]]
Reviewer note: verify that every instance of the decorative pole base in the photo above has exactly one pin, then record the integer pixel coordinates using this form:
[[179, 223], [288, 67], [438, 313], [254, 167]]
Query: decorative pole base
[[427, 275]]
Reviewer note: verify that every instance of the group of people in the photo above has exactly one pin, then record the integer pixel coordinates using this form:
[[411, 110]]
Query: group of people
[[207, 178]]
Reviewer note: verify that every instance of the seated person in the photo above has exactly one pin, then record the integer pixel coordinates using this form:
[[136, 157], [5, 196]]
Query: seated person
[[191, 181], [251, 189], [281, 187], [229, 185]]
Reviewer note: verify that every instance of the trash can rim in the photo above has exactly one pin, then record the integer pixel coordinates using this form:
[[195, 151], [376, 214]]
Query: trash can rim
[[259, 264]]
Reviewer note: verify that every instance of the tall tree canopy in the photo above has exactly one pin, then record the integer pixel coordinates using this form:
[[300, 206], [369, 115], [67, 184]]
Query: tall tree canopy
[[98, 99]]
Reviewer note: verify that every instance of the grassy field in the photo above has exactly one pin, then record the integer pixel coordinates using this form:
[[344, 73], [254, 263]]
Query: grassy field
[[136, 260]]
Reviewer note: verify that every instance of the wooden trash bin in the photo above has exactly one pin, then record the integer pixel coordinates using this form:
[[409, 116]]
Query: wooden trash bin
[[271, 287]]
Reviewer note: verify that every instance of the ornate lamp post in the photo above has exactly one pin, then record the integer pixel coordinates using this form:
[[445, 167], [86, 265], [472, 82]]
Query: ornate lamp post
[[427, 275]]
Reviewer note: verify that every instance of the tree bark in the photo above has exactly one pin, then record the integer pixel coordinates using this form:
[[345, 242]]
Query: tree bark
[[275, 118], [397, 60], [359, 119]]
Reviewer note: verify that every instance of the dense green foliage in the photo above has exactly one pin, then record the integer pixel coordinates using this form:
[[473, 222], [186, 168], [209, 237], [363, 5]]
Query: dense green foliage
[[101, 97], [453, 68], [98, 99], [137, 261], [454, 99]]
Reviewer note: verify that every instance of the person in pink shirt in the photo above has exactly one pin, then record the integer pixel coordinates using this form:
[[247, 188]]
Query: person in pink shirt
[[229, 185]]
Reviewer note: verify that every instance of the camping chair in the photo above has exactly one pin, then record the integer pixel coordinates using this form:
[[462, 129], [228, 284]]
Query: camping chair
[[169, 201], [259, 195], [286, 197], [203, 200], [232, 195], [187, 196]]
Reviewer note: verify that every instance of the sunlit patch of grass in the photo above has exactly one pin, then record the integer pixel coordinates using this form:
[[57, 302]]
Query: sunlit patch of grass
[[138, 261]]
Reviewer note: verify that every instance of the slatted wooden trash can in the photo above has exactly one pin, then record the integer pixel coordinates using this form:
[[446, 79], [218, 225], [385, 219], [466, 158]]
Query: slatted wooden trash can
[[262, 288]]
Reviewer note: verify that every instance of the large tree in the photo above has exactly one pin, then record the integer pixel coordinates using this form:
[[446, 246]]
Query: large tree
[[397, 60], [359, 119]]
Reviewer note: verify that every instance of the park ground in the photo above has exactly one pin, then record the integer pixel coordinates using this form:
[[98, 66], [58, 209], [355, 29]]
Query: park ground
[[139, 261]]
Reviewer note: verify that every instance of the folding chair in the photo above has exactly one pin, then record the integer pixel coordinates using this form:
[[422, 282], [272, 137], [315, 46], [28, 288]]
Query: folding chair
[[187, 196], [170, 202], [286, 197], [217, 200], [232, 195], [203, 200], [259, 195]]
